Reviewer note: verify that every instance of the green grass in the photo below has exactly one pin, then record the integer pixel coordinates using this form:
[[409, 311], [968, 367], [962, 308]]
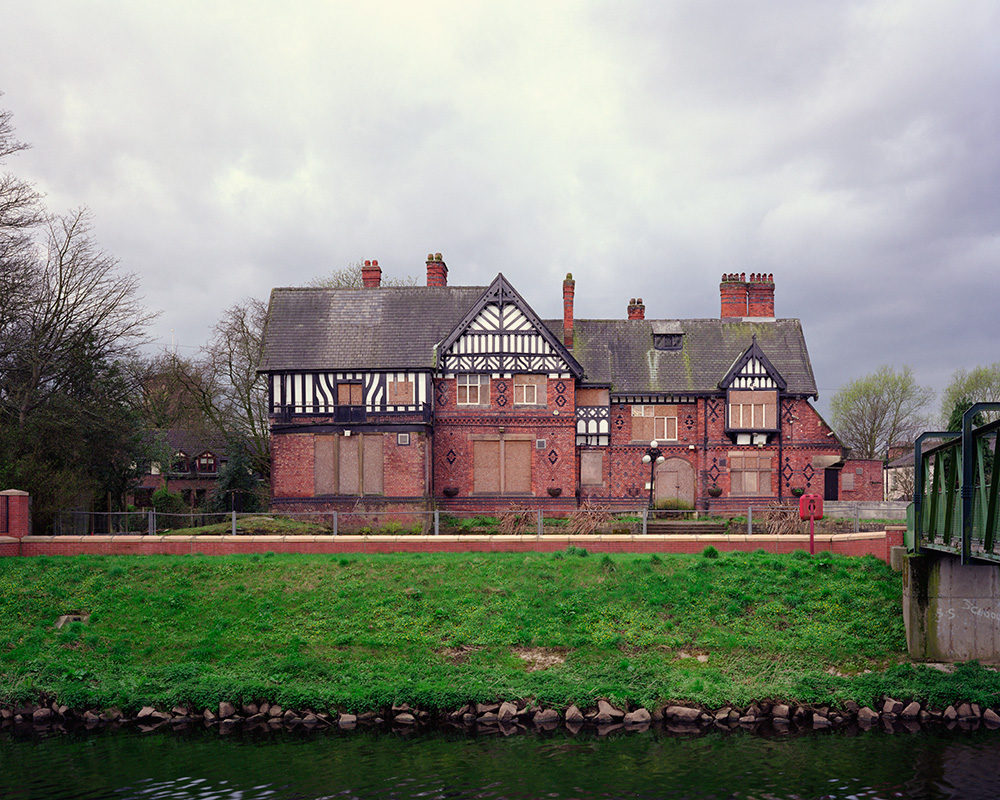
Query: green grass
[[360, 632]]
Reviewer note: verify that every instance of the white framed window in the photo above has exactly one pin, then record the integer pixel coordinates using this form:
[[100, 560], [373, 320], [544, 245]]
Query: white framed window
[[529, 390], [665, 429], [654, 422], [753, 410], [473, 390]]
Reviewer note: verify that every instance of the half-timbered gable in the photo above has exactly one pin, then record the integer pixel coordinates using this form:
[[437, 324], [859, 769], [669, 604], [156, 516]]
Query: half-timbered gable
[[501, 336]]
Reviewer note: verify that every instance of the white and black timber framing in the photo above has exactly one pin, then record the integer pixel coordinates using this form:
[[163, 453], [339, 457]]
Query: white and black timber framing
[[315, 393], [753, 370], [501, 336]]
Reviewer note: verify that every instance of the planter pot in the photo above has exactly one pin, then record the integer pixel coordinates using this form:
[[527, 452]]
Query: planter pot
[[715, 491], [797, 492], [554, 491], [450, 491]]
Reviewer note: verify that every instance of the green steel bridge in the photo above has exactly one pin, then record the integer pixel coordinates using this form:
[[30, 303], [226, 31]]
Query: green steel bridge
[[956, 487]]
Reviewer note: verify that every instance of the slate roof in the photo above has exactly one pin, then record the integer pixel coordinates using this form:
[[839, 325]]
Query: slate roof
[[621, 353], [398, 328], [194, 443], [389, 328]]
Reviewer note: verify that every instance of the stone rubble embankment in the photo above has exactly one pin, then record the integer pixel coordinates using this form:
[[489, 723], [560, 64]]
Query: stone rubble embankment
[[510, 717]]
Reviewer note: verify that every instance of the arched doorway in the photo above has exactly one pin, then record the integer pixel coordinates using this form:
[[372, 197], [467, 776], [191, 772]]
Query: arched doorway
[[675, 479]]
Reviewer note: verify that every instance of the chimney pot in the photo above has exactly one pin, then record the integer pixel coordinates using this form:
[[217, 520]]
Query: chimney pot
[[437, 270], [569, 290], [760, 296], [733, 293], [371, 275]]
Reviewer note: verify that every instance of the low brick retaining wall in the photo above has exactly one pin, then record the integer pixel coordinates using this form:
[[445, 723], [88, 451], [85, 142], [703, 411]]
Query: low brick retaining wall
[[877, 544]]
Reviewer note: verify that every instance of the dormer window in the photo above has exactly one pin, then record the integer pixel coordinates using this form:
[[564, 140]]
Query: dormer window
[[667, 341], [180, 462], [207, 464]]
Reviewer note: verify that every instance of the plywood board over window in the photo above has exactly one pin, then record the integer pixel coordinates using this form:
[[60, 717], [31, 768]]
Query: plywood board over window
[[755, 411], [592, 467], [593, 397], [529, 390], [654, 422], [349, 394], [348, 465], [501, 466], [750, 473]]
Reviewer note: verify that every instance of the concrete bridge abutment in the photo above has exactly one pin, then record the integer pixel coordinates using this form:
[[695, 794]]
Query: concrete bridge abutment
[[951, 611]]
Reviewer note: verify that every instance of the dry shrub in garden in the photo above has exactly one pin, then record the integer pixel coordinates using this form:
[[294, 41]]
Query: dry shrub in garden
[[778, 519], [589, 518], [515, 520]]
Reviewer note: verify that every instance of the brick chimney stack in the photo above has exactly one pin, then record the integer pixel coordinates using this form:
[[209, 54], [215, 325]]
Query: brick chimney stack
[[636, 310], [569, 290], [437, 271], [760, 295], [371, 275], [733, 291]]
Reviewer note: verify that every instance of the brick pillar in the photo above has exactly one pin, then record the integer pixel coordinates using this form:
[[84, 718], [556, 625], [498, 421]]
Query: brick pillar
[[760, 295], [437, 271], [636, 310], [18, 512], [733, 292], [371, 275], [569, 291]]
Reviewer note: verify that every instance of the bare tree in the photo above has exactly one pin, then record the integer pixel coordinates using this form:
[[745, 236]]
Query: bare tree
[[81, 310], [350, 278], [224, 384], [20, 213], [879, 410]]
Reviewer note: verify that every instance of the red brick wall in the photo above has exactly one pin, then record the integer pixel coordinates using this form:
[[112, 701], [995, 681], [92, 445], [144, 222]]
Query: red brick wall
[[805, 436], [292, 463], [551, 466], [867, 480], [875, 544], [404, 467], [18, 513]]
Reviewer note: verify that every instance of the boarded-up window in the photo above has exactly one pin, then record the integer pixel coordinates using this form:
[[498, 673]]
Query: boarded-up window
[[501, 466], [517, 467], [349, 394], [654, 422], [847, 481], [486, 467], [371, 467], [665, 429], [325, 465], [592, 467], [348, 465], [756, 411], [529, 390], [399, 393], [750, 473], [593, 397]]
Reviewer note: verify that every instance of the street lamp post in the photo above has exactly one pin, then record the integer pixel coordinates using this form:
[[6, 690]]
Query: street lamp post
[[653, 457]]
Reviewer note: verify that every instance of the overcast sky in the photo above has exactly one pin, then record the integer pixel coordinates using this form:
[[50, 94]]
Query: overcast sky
[[852, 149]]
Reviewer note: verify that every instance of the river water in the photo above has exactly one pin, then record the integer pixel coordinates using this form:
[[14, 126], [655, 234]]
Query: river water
[[382, 764]]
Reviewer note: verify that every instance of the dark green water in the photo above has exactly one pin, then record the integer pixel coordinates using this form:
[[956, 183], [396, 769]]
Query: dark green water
[[206, 765]]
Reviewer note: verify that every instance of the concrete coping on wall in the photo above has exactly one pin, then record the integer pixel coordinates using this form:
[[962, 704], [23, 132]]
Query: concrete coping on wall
[[567, 539]]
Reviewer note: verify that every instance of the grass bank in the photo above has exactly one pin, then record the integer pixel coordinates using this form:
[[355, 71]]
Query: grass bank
[[436, 631]]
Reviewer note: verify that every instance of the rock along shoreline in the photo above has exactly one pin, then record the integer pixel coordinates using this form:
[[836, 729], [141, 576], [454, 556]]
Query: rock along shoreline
[[511, 717]]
